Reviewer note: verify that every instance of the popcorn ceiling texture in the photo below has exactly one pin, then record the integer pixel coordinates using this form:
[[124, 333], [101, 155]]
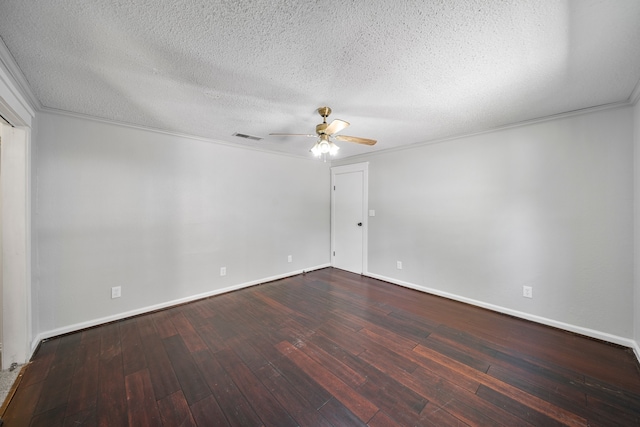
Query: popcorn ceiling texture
[[400, 72]]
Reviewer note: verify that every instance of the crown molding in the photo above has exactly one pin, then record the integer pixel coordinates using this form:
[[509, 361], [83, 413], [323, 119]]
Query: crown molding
[[18, 78], [66, 113], [579, 112]]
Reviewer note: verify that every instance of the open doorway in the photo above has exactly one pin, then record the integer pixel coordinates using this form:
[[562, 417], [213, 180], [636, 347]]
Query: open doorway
[[15, 322]]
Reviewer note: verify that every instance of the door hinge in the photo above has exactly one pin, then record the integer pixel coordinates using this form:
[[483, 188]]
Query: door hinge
[[334, 188], [334, 253]]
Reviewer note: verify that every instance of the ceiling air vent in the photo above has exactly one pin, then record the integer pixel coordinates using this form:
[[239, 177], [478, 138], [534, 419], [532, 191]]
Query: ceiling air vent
[[245, 136]]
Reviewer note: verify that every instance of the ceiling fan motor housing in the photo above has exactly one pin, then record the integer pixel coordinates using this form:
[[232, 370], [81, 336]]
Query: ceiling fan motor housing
[[320, 128]]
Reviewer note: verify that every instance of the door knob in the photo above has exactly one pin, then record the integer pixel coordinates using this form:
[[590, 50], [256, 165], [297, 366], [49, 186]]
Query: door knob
[[359, 224]]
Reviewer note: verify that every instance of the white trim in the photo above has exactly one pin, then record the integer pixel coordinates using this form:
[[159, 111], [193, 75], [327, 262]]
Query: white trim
[[15, 246], [635, 96], [28, 237], [636, 350], [355, 167], [54, 111], [20, 113], [544, 119], [96, 322], [21, 108], [13, 107], [603, 336]]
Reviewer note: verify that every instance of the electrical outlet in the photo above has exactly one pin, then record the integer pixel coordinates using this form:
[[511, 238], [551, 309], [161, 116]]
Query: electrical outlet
[[223, 271], [290, 258], [116, 292], [399, 265], [527, 291]]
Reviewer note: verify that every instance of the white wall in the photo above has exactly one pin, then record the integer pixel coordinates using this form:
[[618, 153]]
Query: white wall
[[547, 205], [159, 215]]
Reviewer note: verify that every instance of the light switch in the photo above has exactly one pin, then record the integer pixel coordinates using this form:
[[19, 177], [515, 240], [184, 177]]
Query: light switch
[[372, 212]]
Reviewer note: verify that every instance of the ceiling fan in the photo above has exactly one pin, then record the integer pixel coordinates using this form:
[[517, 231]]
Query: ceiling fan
[[326, 132]]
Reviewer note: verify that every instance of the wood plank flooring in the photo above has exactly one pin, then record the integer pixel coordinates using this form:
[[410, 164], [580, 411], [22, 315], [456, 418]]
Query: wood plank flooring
[[328, 348]]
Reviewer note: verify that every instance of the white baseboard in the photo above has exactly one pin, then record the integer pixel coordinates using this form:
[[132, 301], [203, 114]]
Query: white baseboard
[[549, 322], [603, 336], [636, 350], [95, 322]]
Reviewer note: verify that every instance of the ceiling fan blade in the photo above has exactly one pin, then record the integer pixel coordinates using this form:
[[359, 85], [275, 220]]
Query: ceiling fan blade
[[294, 134], [355, 139], [336, 126]]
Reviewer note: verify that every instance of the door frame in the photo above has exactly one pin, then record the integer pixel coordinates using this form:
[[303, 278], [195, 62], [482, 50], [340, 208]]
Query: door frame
[[16, 109], [16, 317], [339, 170]]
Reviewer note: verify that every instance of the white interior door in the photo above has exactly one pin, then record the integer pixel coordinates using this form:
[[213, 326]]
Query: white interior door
[[348, 221]]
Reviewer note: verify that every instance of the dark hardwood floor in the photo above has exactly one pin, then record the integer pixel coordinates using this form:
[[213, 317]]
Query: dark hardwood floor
[[328, 348]]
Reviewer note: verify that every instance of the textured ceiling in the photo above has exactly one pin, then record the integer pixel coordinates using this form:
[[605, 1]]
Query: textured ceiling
[[400, 72]]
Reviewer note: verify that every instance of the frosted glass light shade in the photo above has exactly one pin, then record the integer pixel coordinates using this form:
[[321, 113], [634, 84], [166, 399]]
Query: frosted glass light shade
[[324, 146]]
